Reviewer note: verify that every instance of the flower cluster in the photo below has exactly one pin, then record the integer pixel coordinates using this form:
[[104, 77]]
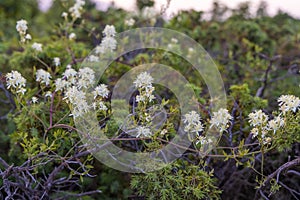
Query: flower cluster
[[203, 140], [192, 122], [288, 103], [220, 119], [262, 126], [101, 92], [73, 83], [16, 81], [76, 10], [43, 77], [37, 46], [56, 61], [108, 43], [22, 29], [143, 131], [129, 22], [77, 99], [143, 83], [258, 118]]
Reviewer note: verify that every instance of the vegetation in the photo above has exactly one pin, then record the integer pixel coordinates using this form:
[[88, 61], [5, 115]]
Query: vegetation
[[48, 88]]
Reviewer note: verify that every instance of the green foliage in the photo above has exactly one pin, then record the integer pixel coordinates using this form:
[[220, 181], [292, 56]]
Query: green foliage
[[250, 52], [179, 180]]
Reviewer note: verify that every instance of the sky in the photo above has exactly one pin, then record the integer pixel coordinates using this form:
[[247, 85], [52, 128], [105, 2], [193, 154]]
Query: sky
[[290, 6]]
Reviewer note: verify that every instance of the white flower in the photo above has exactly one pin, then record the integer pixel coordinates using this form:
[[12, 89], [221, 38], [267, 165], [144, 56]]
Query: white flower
[[101, 91], [191, 117], [69, 73], [99, 49], [48, 94], [72, 36], [28, 37], [22, 91], [288, 103], [193, 123], [34, 99], [56, 61], [258, 118], [78, 101], [220, 119], [174, 40], [22, 26], [143, 80], [15, 79], [143, 131], [93, 58], [102, 106], [254, 132], [43, 76], [109, 31], [86, 77], [144, 83], [140, 98], [275, 123], [203, 140], [129, 22], [77, 9], [61, 84], [37, 46], [108, 43], [64, 14]]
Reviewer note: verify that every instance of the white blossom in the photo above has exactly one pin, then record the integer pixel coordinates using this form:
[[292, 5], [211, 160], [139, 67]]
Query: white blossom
[[275, 123], [108, 43], [22, 26], [37, 46], [101, 91], [193, 123], [220, 119], [143, 131], [64, 14], [69, 72], [28, 37], [93, 58], [129, 22], [86, 77], [109, 31], [174, 40], [34, 100], [288, 103], [143, 80], [48, 94], [56, 61], [72, 36], [254, 132], [61, 84], [78, 101], [102, 106], [77, 9], [144, 83], [43, 76], [258, 118], [16, 80], [21, 90], [203, 140]]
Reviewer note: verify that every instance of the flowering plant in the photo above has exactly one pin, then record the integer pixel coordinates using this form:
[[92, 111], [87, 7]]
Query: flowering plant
[[53, 160]]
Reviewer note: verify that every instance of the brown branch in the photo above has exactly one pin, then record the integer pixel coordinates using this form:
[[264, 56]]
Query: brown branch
[[277, 173]]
